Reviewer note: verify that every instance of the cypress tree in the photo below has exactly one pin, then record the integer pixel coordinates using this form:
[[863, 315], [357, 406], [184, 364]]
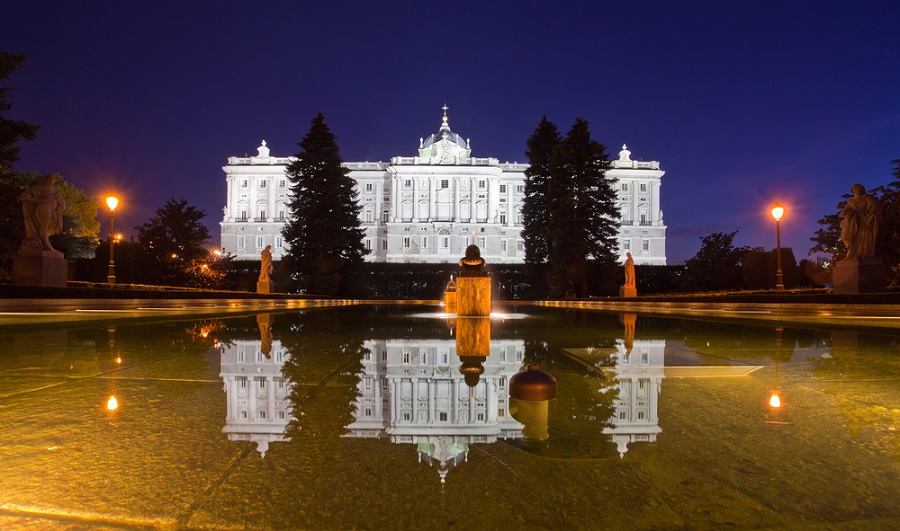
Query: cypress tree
[[584, 219], [323, 234], [535, 210]]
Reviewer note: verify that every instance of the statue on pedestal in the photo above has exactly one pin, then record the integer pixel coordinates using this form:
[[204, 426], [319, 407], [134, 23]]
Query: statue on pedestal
[[265, 266], [264, 283], [859, 223], [42, 208], [861, 271], [629, 289], [629, 270]]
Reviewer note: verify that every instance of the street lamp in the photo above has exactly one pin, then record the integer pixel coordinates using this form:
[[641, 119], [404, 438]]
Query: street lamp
[[777, 212], [112, 202]]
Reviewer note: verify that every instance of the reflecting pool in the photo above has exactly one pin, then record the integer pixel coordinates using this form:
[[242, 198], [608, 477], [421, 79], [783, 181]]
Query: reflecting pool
[[406, 417]]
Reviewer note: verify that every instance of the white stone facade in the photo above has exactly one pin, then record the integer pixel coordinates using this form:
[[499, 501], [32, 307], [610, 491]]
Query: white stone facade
[[429, 208]]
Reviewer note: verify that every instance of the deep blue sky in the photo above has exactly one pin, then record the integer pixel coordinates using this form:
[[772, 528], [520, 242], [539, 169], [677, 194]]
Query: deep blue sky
[[743, 103]]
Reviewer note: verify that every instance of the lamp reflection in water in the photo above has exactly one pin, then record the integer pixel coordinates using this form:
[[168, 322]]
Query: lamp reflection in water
[[775, 398]]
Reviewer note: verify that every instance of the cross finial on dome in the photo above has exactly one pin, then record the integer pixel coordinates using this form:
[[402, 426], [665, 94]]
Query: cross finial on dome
[[445, 109]]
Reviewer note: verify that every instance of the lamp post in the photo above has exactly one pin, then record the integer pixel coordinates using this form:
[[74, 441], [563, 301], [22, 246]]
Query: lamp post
[[777, 212], [112, 202]]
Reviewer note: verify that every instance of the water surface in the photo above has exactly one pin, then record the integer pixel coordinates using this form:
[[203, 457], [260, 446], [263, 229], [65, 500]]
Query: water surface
[[360, 417]]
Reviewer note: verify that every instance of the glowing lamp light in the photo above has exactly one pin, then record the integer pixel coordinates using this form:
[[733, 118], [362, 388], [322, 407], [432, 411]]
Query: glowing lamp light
[[118, 360], [112, 404], [777, 212], [112, 202], [775, 401]]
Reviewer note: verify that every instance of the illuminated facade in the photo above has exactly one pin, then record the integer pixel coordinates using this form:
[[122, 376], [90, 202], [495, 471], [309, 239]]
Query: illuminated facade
[[430, 207]]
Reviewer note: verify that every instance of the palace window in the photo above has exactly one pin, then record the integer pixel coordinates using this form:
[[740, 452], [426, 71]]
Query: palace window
[[406, 242], [279, 242], [643, 187], [369, 187], [481, 185], [502, 246], [646, 245], [503, 218], [262, 184], [424, 242], [520, 246], [244, 183], [502, 188], [369, 244], [520, 188], [627, 245], [445, 183], [240, 242], [384, 245], [259, 242], [407, 183], [282, 183], [624, 187], [385, 216]]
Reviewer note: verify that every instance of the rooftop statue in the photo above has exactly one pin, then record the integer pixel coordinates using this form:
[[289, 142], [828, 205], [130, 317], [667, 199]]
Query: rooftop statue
[[859, 223], [42, 208]]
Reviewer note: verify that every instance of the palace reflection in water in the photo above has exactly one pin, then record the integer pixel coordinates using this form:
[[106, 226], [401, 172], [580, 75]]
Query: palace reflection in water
[[443, 394]]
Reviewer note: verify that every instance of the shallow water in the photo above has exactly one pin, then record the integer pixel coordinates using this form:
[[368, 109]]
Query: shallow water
[[359, 417]]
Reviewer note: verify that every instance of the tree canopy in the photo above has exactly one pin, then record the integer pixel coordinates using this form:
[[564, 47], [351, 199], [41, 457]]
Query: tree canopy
[[323, 235], [173, 242], [717, 265]]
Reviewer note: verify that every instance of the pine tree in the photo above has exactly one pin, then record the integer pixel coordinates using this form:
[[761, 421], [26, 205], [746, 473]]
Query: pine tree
[[584, 219], [323, 232], [535, 210], [11, 131]]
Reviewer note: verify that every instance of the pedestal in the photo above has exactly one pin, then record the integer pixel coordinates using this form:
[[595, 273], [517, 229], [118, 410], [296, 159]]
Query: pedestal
[[450, 300], [858, 276], [628, 292], [473, 296], [265, 286], [35, 267]]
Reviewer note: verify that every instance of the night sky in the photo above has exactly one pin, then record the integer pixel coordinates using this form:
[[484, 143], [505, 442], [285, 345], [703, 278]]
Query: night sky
[[743, 103]]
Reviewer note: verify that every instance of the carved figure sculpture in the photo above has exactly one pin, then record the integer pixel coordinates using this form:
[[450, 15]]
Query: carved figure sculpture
[[859, 223], [42, 208], [266, 267], [629, 270]]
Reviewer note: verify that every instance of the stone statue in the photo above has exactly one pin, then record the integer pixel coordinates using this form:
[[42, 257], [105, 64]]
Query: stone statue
[[629, 270], [266, 268], [42, 208], [859, 223], [472, 264]]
